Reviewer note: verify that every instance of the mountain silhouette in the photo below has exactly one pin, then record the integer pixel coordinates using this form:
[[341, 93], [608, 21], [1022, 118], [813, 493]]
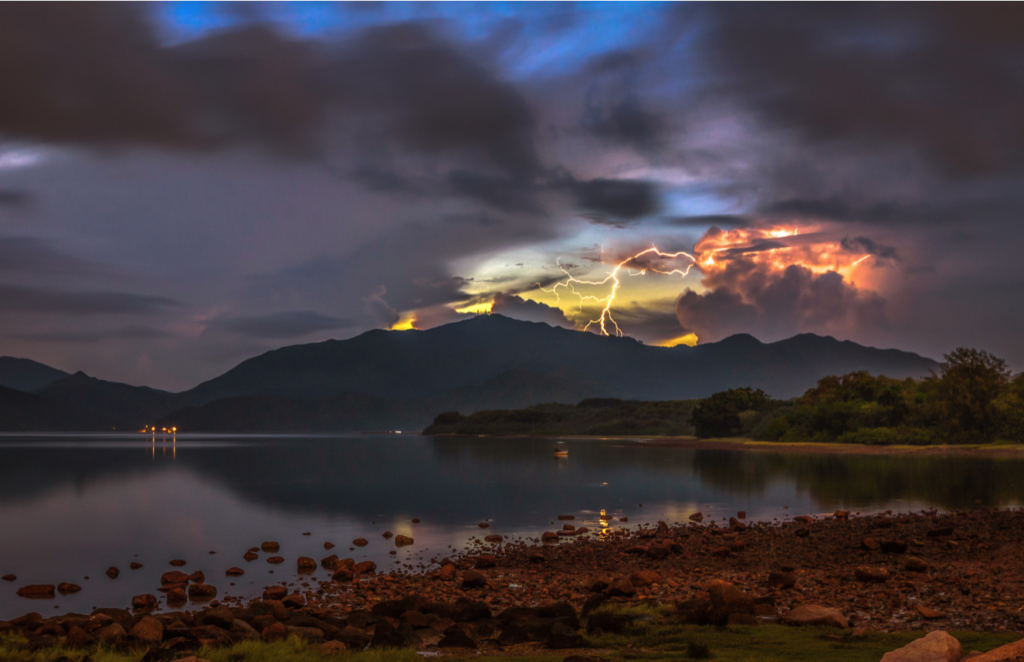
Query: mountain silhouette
[[402, 379], [27, 375]]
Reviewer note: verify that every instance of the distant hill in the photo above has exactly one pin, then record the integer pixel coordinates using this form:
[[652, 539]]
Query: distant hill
[[402, 379], [27, 375], [126, 407], [27, 412]]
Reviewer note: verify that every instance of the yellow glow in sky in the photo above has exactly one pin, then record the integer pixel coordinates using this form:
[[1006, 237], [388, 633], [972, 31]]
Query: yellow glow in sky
[[479, 308], [690, 339], [404, 324]]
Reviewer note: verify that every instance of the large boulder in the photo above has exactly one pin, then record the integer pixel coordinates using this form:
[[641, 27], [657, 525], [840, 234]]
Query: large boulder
[[937, 646], [149, 630], [386, 635], [37, 591], [173, 577], [816, 615], [1008, 653], [562, 636], [726, 601]]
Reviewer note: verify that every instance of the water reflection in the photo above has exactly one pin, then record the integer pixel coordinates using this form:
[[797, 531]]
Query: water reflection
[[79, 504]]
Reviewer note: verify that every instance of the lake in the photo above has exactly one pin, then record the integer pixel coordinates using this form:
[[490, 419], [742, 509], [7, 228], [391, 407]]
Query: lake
[[73, 505]]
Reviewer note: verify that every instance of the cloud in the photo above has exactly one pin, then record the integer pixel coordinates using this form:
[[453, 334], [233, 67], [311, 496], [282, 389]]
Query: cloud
[[613, 201], [869, 246], [14, 298], [779, 304], [284, 325], [17, 200], [97, 336], [516, 307], [36, 257], [613, 109]]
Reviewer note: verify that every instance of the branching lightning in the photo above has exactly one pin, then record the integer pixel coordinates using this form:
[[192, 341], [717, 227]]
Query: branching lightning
[[606, 317]]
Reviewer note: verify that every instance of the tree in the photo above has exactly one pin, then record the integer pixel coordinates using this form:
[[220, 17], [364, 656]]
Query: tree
[[719, 415], [967, 386]]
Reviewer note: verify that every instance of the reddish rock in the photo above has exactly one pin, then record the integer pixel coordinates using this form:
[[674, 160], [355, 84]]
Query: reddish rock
[[483, 525], [173, 577], [202, 592], [549, 536], [783, 580], [816, 615], [111, 634], [805, 519], [697, 517], [293, 601], [270, 546], [134, 565], [343, 574], [929, 614], [936, 646], [842, 514], [144, 601], [275, 560], [494, 537], [474, 579], [736, 524], [914, 564], [644, 578], [365, 567], [78, 638], [387, 534], [1008, 653], [197, 577], [866, 573], [67, 588], [37, 591], [566, 517], [9, 578], [148, 630], [306, 563], [250, 556], [331, 648], [328, 545], [235, 572], [176, 596], [447, 573], [621, 587], [486, 561], [274, 592], [177, 563], [402, 541], [360, 542], [275, 632], [329, 562], [113, 572]]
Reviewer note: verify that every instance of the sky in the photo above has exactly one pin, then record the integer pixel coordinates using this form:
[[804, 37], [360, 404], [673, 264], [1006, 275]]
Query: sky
[[184, 186]]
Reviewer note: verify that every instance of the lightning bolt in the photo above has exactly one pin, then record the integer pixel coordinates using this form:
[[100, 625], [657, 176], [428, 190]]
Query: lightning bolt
[[606, 317]]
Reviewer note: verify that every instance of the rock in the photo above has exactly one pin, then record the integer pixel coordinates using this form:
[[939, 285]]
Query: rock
[[360, 542], [592, 603], [343, 574], [198, 577], [9, 578], [354, 637], [804, 519], [330, 648], [173, 577], [644, 578], [474, 579], [621, 587], [937, 646], [609, 622], [1008, 653], [483, 525], [276, 560], [306, 563], [144, 601], [330, 562], [250, 556], [111, 634], [782, 580], [309, 634], [562, 636], [416, 619], [537, 557], [113, 572], [270, 546], [149, 630], [914, 564], [447, 573], [241, 629], [940, 532], [274, 592], [275, 632], [177, 563], [494, 537], [736, 524], [328, 545], [66, 588], [842, 514], [293, 601], [893, 546], [385, 635], [866, 573], [78, 638], [176, 596], [870, 544], [697, 517], [365, 567], [549, 536], [456, 637], [486, 561], [465, 609], [403, 541], [202, 592], [37, 591], [816, 615], [929, 614], [220, 617], [235, 572]]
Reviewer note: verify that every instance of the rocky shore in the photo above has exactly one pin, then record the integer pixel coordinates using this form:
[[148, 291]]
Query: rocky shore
[[923, 571]]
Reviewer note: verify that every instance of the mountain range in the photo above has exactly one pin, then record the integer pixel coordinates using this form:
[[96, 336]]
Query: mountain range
[[402, 379]]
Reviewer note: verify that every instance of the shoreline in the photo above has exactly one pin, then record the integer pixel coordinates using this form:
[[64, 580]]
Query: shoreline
[[744, 443], [880, 573]]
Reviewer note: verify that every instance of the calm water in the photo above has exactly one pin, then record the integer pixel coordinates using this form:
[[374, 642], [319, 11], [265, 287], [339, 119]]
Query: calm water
[[72, 506]]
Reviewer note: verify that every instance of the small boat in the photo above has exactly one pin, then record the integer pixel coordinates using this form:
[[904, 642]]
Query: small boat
[[561, 450]]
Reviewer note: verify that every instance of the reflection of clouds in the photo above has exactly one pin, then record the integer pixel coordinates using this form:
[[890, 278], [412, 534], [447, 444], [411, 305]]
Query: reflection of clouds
[[17, 158]]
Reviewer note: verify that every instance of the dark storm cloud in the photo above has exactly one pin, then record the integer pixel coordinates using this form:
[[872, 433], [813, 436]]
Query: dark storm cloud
[[14, 298], [779, 304], [292, 324], [728, 221], [945, 80], [869, 246], [613, 109], [31, 256], [17, 200], [126, 333], [512, 305], [614, 201]]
